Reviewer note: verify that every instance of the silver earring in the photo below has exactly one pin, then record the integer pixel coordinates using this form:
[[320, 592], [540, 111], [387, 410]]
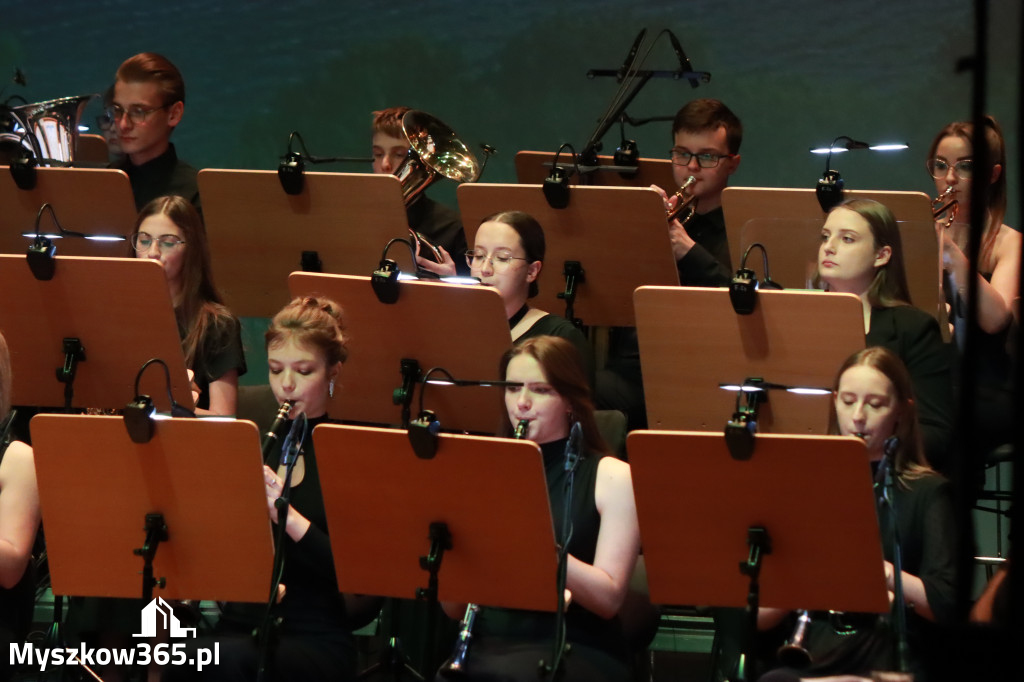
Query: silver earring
[[330, 389]]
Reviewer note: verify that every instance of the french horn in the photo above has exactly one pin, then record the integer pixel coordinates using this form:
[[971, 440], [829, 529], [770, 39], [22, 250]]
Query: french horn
[[435, 152]]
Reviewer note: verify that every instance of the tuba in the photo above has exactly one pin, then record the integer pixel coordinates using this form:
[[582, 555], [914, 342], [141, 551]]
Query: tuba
[[47, 130], [687, 202], [946, 204], [456, 663], [434, 152]]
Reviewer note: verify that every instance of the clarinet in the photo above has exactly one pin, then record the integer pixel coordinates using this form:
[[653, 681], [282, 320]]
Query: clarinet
[[457, 662], [270, 437]]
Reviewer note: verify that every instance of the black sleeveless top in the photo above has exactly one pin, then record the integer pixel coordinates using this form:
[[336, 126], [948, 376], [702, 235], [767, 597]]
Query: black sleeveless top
[[582, 626]]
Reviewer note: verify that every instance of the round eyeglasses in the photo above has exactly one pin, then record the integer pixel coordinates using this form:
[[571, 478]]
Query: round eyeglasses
[[143, 242], [135, 113], [500, 260], [938, 168]]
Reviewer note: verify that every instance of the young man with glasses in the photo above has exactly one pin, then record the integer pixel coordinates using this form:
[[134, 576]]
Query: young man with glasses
[[147, 104], [706, 138]]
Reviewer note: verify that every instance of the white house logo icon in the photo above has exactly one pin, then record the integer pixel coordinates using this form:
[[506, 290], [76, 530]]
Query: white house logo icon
[[158, 611]]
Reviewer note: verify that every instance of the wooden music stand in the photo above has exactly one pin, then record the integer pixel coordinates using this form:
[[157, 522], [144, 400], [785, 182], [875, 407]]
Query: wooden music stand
[[460, 328], [812, 494], [532, 168], [92, 148], [691, 341], [87, 200], [381, 501], [258, 233], [788, 222], [205, 477], [618, 234], [120, 310]]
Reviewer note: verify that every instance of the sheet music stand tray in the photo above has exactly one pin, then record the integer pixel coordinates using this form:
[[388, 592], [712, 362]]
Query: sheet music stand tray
[[691, 341], [87, 200], [788, 222], [118, 308], [259, 234], [96, 487], [532, 168], [460, 328], [618, 235], [491, 494]]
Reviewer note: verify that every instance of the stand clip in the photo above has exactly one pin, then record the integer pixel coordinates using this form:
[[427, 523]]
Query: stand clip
[[411, 373], [440, 540], [574, 274], [156, 532], [74, 352]]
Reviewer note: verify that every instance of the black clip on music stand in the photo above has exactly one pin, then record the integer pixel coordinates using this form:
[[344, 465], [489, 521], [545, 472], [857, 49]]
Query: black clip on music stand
[[808, 545], [380, 508]]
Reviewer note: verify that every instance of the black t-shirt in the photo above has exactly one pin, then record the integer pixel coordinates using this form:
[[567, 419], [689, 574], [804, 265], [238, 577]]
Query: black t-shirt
[[218, 352]]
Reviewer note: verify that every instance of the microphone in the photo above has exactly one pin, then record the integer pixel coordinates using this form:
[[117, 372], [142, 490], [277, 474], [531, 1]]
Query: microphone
[[293, 441], [293, 165], [572, 447], [684, 62], [270, 437]]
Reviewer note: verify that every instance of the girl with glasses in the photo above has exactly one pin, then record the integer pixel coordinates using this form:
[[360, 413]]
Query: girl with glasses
[[952, 164], [170, 231], [508, 254]]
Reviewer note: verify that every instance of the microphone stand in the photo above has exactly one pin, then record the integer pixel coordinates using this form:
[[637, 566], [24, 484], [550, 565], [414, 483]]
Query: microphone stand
[[572, 460], [632, 80], [267, 633], [885, 477]]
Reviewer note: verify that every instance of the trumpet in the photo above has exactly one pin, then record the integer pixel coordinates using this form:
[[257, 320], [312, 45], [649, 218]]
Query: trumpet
[[687, 202], [946, 204], [456, 664], [793, 654]]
